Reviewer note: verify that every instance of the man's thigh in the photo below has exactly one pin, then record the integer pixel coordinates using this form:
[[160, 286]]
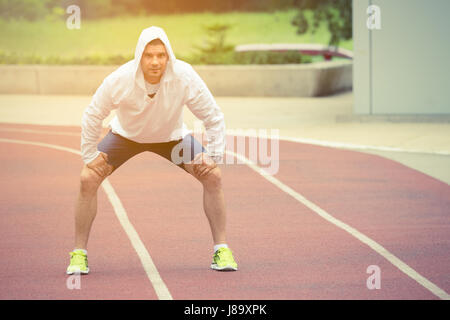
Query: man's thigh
[[118, 149], [191, 150], [181, 152]]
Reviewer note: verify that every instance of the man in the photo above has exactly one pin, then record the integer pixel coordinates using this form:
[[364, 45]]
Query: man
[[148, 94]]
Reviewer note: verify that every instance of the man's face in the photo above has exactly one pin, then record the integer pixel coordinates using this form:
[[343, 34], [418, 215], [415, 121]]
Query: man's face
[[153, 61]]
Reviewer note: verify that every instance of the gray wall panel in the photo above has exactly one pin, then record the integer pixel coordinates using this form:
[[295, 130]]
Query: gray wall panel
[[409, 62]]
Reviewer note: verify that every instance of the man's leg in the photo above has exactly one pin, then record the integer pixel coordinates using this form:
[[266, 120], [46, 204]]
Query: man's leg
[[214, 206], [86, 206], [185, 153], [213, 202], [118, 150], [85, 212]]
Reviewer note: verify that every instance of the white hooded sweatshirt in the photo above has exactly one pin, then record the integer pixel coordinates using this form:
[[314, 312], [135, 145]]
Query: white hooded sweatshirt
[[145, 120]]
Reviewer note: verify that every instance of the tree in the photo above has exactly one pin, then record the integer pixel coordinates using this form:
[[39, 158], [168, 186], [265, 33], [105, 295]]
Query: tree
[[337, 14], [215, 49]]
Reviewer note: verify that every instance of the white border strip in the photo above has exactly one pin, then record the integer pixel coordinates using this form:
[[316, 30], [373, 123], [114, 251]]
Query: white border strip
[[152, 273], [402, 266]]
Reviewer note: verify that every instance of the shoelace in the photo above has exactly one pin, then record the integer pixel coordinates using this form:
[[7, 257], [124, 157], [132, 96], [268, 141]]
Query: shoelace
[[77, 258], [223, 254]]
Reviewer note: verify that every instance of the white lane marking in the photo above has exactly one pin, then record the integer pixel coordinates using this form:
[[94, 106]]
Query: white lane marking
[[402, 266], [161, 289], [65, 133], [351, 146], [152, 273], [324, 143]]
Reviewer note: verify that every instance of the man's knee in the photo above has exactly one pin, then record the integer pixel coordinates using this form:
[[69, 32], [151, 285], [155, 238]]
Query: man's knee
[[89, 181], [213, 179]]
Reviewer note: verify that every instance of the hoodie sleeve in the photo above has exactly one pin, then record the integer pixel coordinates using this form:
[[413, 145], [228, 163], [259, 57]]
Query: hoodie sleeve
[[91, 125], [203, 105]]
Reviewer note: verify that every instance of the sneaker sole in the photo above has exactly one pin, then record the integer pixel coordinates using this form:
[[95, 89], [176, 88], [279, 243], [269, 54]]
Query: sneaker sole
[[81, 272], [226, 268]]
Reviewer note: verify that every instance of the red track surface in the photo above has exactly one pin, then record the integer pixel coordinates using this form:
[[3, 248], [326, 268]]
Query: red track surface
[[284, 249]]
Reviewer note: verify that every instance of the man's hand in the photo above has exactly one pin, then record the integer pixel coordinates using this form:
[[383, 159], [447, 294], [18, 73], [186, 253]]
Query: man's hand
[[203, 164], [100, 165]]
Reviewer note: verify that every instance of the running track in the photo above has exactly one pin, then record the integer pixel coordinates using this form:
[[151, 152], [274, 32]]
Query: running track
[[308, 232]]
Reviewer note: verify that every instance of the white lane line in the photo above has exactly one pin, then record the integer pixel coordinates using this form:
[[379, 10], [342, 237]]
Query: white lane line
[[158, 284], [64, 133], [351, 146], [152, 273], [402, 266], [323, 143]]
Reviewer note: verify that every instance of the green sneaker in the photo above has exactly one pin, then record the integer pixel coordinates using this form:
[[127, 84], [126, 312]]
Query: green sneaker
[[223, 260], [78, 263]]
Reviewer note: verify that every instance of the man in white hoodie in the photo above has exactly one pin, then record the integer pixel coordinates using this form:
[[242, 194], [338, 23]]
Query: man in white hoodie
[[148, 94]]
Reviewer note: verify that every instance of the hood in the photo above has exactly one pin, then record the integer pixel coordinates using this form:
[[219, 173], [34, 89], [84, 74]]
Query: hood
[[146, 36]]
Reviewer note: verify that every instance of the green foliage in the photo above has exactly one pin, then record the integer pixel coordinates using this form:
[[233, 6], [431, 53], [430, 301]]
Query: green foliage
[[26, 9], [94, 59], [112, 40], [95, 9], [55, 14], [251, 58], [337, 14], [255, 57], [217, 51], [231, 58], [184, 6]]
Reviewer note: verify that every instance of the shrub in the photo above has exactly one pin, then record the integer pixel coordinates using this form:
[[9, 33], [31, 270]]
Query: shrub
[[268, 57], [26, 9], [217, 51], [96, 59], [337, 14]]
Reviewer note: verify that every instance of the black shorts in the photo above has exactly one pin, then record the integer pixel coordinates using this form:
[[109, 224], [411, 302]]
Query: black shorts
[[120, 149]]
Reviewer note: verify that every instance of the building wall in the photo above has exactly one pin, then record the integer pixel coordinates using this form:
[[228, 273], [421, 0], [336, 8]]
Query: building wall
[[403, 68]]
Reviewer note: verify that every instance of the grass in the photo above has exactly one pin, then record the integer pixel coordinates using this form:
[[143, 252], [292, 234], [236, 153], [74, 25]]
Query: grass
[[52, 41]]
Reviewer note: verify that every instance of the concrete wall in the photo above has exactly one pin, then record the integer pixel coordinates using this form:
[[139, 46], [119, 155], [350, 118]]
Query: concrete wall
[[40, 79], [403, 68], [308, 80]]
